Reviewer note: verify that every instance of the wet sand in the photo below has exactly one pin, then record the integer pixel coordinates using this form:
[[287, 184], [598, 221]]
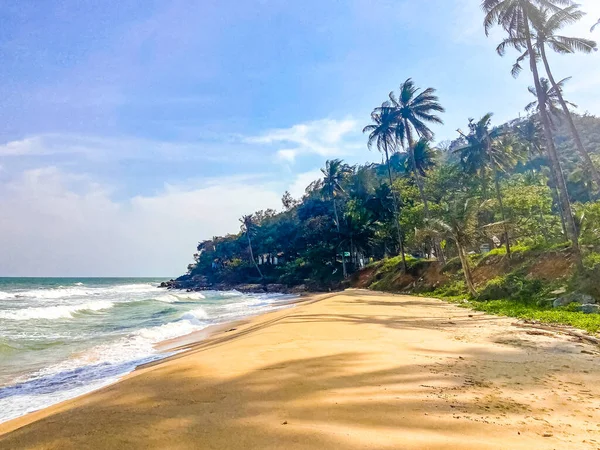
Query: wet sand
[[352, 370]]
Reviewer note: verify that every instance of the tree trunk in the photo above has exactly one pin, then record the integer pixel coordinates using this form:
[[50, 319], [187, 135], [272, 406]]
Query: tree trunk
[[466, 269], [337, 223], [411, 152], [543, 223], [551, 149], [396, 214], [585, 156], [556, 198], [502, 212], [252, 255]]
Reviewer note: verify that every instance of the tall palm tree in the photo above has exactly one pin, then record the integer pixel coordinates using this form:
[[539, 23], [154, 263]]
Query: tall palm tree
[[414, 111], [551, 95], [515, 17], [489, 153], [382, 133], [547, 24], [334, 174], [247, 226]]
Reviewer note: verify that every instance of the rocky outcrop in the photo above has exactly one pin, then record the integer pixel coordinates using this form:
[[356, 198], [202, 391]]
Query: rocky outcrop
[[575, 297], [590, 309], [199, 283]]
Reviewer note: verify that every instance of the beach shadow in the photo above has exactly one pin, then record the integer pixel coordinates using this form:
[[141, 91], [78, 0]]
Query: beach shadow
[[303, 402]]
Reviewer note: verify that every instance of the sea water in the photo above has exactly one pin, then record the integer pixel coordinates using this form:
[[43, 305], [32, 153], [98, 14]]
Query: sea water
[[63, 337]]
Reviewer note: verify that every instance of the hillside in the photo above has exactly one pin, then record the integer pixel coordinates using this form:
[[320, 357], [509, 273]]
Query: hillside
[[527, 285]]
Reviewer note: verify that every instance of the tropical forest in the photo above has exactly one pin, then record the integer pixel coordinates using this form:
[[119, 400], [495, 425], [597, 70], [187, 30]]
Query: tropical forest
[[504, 218]]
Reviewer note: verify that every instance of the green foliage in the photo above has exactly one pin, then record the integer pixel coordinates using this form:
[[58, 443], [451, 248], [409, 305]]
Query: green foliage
[[358, 209], [591, 261], [531, 311], [512, 286], [453, 289], [586, 280], [587, 216]]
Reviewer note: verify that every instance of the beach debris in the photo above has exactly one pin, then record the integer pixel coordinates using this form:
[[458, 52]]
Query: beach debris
[[284, 423]]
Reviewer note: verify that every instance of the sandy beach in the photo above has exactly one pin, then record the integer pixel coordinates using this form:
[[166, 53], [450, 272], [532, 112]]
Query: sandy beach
[[351, 370]]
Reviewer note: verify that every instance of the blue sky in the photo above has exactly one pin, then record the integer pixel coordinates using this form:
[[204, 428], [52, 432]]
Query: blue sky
[[130, 130]]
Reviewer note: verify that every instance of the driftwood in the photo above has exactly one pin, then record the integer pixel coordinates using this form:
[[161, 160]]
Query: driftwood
[[583, 337]]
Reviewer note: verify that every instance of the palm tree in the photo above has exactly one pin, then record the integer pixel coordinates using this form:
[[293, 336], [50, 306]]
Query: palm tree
[[247, 227], [425, 157], [546, 25], [597, 24], [334, 174], [383, 134], [551, 95], [414, 110], [489, 153], [459, 224], [515, 17]]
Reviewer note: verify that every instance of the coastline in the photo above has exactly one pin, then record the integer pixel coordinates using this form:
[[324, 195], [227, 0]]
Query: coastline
[[183, 343], [334, 372]]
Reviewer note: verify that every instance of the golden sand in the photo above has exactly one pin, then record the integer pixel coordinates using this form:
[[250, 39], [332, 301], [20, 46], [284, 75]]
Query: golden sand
[[355, 370]]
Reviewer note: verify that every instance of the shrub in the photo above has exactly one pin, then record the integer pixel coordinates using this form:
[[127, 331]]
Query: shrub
[[591, 261], [512, 286], [587, 281], [452, 289]]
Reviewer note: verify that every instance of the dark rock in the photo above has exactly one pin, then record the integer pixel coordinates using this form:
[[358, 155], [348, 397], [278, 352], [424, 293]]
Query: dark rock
[[590, 309], [574, 297]]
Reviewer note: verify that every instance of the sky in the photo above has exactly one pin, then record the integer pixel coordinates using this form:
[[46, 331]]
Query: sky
[[130, 130]]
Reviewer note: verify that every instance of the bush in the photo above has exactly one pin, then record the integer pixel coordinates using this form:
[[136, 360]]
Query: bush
[[453, 289], [587, 281], [512, 286], [452, 265], [592, 261]]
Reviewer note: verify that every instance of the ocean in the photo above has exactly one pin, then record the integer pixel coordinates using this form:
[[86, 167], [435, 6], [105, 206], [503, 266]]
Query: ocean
[[63, 337]]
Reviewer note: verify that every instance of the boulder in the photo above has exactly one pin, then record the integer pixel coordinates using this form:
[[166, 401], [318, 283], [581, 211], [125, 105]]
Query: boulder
[[574, 297], [590, 309]]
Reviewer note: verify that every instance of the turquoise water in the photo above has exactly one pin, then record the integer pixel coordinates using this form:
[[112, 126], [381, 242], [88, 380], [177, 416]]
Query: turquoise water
[[62, 337]]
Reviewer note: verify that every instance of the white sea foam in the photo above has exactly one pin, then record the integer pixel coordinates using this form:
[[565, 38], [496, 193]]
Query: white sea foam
[[56, 293], [196, 315], [54, 312], [123, 338], [166, 298], [98, 367], [230, 294], [171, 330]]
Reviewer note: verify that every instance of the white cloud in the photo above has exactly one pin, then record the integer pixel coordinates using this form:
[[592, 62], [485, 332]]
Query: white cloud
[[301, 182], [96, 148], [27, 146], [326, 137], [58, 224], [287, 155]]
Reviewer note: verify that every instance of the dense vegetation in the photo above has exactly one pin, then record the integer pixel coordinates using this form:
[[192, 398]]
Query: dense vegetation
[[529, 184]]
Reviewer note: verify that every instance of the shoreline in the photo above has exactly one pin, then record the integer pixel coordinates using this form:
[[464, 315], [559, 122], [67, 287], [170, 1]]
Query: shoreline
[[332, 369], [178, 347], [183, 343], [165, 349]]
